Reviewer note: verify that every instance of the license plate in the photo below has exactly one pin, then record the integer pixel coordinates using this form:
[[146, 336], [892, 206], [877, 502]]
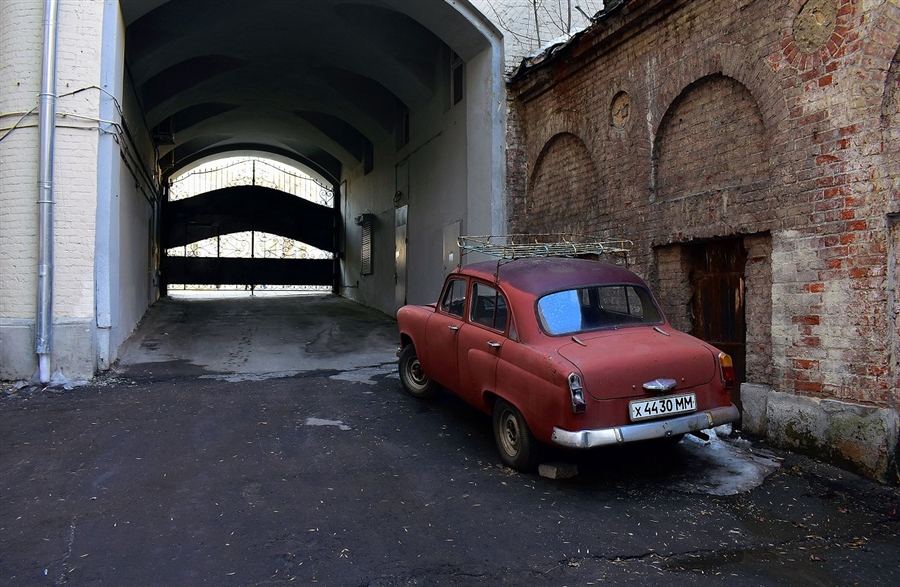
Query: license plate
[[661, 407]]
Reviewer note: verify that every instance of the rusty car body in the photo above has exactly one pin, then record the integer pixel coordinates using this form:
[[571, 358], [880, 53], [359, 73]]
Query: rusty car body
[[568, 352]]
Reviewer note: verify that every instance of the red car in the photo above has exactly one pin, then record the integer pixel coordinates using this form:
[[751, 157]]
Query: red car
[[568, 352]]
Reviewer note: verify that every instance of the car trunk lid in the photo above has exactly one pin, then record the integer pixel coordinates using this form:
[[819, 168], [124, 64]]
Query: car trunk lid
[[617, 363]]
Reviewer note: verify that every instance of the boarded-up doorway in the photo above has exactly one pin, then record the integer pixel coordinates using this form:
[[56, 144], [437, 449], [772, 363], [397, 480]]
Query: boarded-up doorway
[[717, 301]]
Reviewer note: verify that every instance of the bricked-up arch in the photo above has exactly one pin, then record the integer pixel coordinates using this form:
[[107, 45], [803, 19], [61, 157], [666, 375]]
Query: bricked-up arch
[[711, 138], [563, 191]]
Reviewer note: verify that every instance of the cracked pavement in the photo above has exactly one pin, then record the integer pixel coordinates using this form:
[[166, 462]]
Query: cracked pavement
[[227, 467]]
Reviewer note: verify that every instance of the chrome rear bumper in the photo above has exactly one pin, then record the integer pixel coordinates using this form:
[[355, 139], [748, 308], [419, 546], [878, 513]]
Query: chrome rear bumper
[[645, 430]]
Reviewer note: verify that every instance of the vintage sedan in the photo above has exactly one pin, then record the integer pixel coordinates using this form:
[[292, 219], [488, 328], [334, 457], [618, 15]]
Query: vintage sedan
[[567, 352]]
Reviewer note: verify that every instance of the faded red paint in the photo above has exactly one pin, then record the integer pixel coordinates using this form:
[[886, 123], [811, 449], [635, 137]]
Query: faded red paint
[[529, 368]]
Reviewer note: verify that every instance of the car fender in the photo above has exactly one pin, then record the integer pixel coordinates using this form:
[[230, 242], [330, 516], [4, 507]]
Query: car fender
[[411, 321], [535, 384]]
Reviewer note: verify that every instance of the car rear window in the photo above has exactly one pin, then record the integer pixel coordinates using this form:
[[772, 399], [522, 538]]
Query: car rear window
[[596, 308]]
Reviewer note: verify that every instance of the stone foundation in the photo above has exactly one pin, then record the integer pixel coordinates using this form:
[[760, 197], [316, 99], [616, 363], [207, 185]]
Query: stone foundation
[[71, 351], [858, 437]]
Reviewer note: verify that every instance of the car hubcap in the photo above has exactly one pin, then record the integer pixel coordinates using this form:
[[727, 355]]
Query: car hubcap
[[416, 374], [509, 434]]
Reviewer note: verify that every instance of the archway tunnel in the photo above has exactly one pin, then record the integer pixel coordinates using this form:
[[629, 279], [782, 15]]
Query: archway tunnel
[[393, 108], [383, 102]]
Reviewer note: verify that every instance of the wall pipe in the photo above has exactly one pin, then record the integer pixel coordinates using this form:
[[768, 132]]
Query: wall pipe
[[47, 131]]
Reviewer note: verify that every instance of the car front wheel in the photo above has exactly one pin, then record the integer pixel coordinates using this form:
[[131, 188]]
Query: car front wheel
[[414, 380], [514, 440]]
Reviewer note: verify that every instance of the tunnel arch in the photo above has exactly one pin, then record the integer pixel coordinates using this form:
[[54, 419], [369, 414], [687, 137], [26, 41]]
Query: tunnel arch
[[357, 92]]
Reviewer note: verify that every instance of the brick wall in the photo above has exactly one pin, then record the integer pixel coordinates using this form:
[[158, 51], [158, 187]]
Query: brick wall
[[682, 122], [758, 306], [564, 173], [712, 138], [672, 288], [516, 164]]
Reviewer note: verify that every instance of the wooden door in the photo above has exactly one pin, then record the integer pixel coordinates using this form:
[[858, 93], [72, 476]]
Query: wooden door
[[717, 301]]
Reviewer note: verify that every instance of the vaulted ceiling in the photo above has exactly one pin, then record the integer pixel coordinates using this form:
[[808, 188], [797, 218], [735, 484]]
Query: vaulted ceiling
[[315, 81]]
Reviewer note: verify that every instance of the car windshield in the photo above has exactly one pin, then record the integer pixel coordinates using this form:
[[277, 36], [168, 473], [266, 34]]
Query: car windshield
[[595, 308]]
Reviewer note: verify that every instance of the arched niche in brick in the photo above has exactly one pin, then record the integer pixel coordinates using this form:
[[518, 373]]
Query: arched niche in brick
[[712, 138], [562, 192]]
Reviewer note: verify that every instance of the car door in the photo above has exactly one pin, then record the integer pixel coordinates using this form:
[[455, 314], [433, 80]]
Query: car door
[[481, 339], [441, 334]]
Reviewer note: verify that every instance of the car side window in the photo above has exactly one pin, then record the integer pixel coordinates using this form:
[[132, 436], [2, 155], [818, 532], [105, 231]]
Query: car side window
[[488, 307], [454, 301]]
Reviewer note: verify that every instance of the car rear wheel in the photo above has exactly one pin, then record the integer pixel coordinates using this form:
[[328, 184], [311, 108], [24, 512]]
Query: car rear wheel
[[414, 380], [515, 442]]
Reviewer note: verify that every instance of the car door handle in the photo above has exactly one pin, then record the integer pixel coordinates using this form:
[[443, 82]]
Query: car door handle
[[496, 345], [453, 327]]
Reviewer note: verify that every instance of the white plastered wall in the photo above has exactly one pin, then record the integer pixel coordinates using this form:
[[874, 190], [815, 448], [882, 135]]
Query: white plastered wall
[[125, 190], [452, 170], [75, 187], [100, 219]]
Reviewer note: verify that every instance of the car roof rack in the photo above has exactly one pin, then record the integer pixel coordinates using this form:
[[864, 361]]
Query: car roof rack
[[522, 246]]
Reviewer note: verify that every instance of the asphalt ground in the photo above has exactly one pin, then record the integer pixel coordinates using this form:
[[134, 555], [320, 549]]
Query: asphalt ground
[[269, 442]]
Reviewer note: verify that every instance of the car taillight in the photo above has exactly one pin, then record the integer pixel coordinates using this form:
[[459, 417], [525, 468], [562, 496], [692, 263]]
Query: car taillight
[[727, 370], [577, 391]]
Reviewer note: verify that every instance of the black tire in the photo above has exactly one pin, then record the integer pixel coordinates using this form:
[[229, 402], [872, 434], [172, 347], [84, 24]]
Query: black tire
[[516, 444], [414, 380]]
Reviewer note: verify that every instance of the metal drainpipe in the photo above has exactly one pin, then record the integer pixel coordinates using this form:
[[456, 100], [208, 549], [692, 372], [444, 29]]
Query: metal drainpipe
[[47, 129]]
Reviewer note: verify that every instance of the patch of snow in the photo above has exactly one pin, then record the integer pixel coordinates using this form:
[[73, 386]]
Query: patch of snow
[[321, 422], [366, 374], [238, 377], [723, 465]]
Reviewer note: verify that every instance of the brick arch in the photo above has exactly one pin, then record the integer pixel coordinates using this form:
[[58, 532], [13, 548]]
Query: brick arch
[[711, 138], [558, 122], [751, 70], [564, 186]]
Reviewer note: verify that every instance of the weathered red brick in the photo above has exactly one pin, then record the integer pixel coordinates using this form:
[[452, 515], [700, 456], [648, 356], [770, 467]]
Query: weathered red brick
[[805, 320], [827, 159], [808, 386], [805, 364], [688, 168]]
